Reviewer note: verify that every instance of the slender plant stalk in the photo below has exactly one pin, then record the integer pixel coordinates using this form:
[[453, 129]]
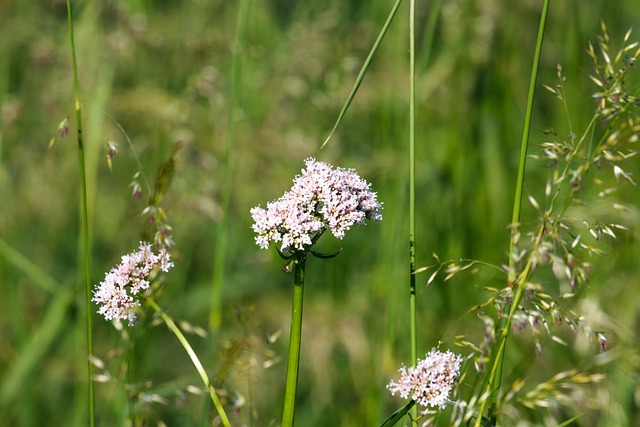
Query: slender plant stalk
[[85, 217], [294, 343], [363, 70], [494, 377], [412, 191], [517, 200], [194, 359], [222, 230]]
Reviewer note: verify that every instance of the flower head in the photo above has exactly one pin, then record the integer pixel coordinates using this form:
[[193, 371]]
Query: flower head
[[429, 383], [321, 198], [118, 294]]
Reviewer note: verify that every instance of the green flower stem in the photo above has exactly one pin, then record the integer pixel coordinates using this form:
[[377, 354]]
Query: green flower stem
[[294, 343], [85, 217], [194, 359]]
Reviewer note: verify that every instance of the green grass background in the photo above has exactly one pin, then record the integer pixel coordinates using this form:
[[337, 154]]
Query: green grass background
[[164, 71]]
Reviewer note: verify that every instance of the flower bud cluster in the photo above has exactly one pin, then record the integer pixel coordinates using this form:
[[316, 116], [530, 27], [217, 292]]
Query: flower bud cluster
[[430, 381], [321, 198], [118, 294]]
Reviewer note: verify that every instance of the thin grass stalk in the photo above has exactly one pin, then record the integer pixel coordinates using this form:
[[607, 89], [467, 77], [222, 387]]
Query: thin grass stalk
[[363, 70], [517, 200], [494, 377], [293, 363], [85, 218], [222, 230], [412, 192], [194, 359]]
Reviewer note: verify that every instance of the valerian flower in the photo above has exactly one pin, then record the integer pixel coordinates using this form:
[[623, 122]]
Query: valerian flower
[[430, 381], [321, 198], [119, 293]]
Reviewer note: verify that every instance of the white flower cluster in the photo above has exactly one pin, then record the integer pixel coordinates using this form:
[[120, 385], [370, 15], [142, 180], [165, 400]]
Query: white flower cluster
[[321, 198], [118, 293], [429, 383]]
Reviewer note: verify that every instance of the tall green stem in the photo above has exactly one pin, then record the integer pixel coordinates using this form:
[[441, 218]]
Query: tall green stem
[[412, 191], [85, 217], [517, 200], [194, 359], [294, 343], [519, 283]]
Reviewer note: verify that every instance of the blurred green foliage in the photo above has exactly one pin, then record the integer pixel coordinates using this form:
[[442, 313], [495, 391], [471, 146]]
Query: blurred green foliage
[[162, 71]]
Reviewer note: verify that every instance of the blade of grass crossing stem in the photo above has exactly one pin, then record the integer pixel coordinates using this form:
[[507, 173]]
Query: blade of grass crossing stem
[[412, 192], [222, 230], [494, 377], [194, 359], [363, 70], [85, 219]]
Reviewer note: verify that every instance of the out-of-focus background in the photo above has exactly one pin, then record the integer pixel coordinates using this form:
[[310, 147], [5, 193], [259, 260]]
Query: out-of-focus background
[[250, 89]]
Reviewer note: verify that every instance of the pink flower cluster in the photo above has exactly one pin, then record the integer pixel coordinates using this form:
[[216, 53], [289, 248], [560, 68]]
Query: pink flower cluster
[[118, 293], [429, 383], [321, 198]]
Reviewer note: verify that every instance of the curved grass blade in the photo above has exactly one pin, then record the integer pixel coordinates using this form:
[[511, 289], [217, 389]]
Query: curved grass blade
[[571, 420], [363, 70], [398, 415], [194, 359]]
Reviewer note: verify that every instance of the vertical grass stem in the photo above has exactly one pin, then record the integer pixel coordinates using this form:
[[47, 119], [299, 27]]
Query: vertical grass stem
[[494, 377], [412, 192], [85, 218], [517, 202]]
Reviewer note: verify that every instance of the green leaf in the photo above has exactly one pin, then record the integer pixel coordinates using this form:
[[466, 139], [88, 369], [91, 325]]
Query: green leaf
[[571, 420], [398, 415], [363, 70]]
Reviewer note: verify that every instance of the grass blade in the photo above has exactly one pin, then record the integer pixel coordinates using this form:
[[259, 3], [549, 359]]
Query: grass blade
[[398, 415], [493, 379], [363, 70]]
